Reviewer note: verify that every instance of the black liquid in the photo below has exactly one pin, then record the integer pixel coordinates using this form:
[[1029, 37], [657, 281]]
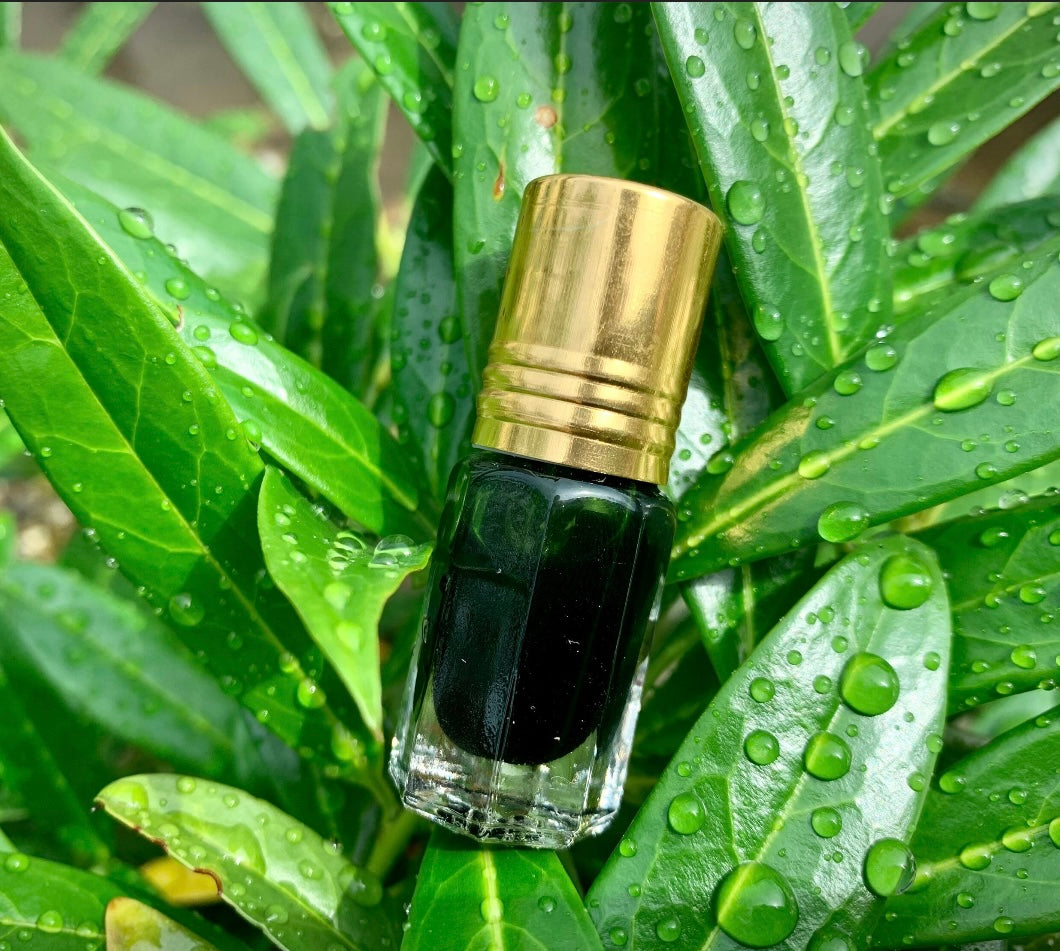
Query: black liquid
[[540, 594]]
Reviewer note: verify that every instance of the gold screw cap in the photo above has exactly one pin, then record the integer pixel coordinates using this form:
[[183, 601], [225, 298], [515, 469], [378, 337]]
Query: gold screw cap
[[598, 326]]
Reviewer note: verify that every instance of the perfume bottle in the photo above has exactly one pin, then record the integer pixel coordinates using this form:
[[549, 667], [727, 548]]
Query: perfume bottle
[[554, 541]]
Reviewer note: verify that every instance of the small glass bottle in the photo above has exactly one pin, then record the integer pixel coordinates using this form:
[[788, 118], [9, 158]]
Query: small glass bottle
[[553, 546]]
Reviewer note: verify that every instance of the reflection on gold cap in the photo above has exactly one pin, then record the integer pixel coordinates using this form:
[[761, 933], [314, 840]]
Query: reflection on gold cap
[[598, 325]]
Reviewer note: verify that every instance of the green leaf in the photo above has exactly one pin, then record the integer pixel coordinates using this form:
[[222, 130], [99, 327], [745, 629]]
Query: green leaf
[[1033, 171], [133, 435], [963, 76], [471, 896], [412, 48], [858, 14], [30, 770], [432, 384], [300, 416], [212, 201], [987, 858], [779, 117], [324, 265], [278, 50], [277, 873], [10, 24], [738, 791], [863, 436], [969, 248], [52, 907], [245, 128], [337, 584], [1004, 580], [100, 32], [587, 92], [113, 665], [131, 925]]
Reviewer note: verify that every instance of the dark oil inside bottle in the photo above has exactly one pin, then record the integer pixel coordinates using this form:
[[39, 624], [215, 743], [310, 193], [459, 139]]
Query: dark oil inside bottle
[[541, 590]]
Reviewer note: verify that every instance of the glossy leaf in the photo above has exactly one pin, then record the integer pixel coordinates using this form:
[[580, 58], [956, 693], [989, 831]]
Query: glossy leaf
[[779, 118], [131, 925], [963, 76], [738, 790], [588, 92], [1004, 580], [30, 770], [212, 201], [10, 24], [100, 32], [988, 863], [300, 417], [1033, 171], [473, 897], [967, 248], [278, 50], [858, 14], [277, 873], [10, 445], [324, 267], [432, 385], [412, 48], [337, 584], [117, 668], [863, 436], [133, 435], [52, 907]]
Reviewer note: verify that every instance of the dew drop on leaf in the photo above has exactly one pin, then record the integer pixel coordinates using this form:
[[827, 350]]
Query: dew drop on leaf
[[976, 857], [943, 132], [814, 464], [828, 941], [186, 610], [853, 58], [869, 684], [905, 582], [485, 88], [756, 905], [745, 34], [243, 332], [745, 202], [889, 867], [668, 930], [762, 690], [827, 756], [686, 813], [136, 222], [1024, 656], [1048, 349], [761, 747], [847, 382], [826, 822], [842, 522], [768, 322], [695, 67], [982, 11], [1005, 287]]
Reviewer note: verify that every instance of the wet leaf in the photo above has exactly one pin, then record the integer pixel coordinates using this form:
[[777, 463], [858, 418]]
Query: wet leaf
[[969, 247], [277, 873], [100, 32], [780, 121], [278, 50], [986, 846], [471, 896], [134, 436], [338, 583], [324, 263], [10, 24], [858, 14], [131, 926], [212, 201], [1004, 581], [300, 416], [588, 92], [964, 75], [794, 481], [412, 48], [1033, 171], [744, 824], [432, 385]]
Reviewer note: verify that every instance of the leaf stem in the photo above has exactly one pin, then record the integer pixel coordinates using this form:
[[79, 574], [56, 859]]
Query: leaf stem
[[392, 841]]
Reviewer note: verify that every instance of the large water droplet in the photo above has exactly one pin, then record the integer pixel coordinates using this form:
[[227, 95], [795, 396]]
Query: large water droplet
[[440, 409], [842, 522], [814, 464], [310, 695], [943, 132], [829, 941], [486, 88], [847, 382], [686, 813], [869, 684], [186, 610], [745, 34], [756, 905], [827, 756], [881, 357], [1005, 287], [491, 909], [768, 321], [1048, 349], [761, 747], [50, 922], [905, 582], [976, 857], [762, 690], [695, 67], [1024, 656], [889, 867], [746, 202], [853, 58], [668, 930], [826, 822], [982, 11], [243, 332], [136, 222]]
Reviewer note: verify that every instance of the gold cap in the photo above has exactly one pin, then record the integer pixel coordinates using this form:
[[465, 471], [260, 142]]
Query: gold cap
[[598, 326]]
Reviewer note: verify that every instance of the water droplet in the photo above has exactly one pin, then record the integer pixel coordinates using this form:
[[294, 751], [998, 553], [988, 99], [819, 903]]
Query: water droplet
[[440, 409], [1032, 593], [842, 522], [853, 58], [627, 848], [1006, 287], [746, 202], [695, 67], [943, 132], [965, 900], [186, 610], [826, 822], [889, 867], [618, 936], [976, 857], [768, 322], [745, 34], [986, 470], [756, 905], [869, 684], [485, 88], [822, 684], [50, 922], [1018, 839], [243, 332], [762, 690], [1048, 349], [917, 782], [905, 582], [720, 462], [827, 756], [310, 695], [547, 904], [491, 909], [881, 357], [814, 464], [1004, 924], [686, 813], [185, 784], [932, 660], [1024, 656], [177, 287], [829, 941], [761, 747], [847, 382], [16, 862], [136, 222], [668, 930], [982, 11]]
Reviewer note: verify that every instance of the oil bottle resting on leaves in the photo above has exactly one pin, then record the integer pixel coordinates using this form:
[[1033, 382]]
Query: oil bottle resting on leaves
[[554, 542]]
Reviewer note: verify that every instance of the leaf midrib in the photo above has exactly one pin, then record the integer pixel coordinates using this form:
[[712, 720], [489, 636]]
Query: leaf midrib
[[417, 34]]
